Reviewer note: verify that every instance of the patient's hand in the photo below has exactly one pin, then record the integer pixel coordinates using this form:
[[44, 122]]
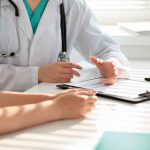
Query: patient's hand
[[74, 103], [107, 69]]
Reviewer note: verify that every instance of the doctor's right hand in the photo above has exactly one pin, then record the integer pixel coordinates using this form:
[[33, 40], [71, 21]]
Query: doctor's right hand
[[59, 72]]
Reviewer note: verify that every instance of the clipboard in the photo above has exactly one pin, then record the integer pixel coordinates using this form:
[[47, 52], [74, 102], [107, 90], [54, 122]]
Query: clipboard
[[143, 95]]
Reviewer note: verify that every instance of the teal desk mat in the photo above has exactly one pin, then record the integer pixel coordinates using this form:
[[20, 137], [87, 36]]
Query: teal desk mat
[[124, 141]]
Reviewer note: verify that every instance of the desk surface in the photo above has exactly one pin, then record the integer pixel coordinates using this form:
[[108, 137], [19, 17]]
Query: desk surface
[[80, 134]]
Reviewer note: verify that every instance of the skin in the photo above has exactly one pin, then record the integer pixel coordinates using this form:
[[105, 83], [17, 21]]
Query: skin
[[108, 70], [33, 4], [62, 72], [28, 110]]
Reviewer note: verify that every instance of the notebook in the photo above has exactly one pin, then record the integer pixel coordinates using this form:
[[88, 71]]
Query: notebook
[[124, 141], [139, 28]]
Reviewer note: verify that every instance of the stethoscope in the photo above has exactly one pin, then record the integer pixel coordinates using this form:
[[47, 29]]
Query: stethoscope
[[62, 56]]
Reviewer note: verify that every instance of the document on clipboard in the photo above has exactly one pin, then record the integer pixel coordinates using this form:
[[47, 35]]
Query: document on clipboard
[[133, 90]]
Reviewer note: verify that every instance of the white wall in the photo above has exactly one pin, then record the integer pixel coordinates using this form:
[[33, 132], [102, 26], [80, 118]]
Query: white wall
[[134, 47]]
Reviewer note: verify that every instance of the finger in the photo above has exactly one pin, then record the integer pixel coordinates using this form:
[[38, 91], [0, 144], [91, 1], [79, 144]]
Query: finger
[[76, 73], [114, 67], [89, 108], [70, 65], [88, 92], [64, 80], [66, 71], [80, 90], [85, 92], [116, 73], [72, 90], [70, 71], [66, 76], [96, 60], [75, 90], [92, 99], [109, 81], [69, 91]]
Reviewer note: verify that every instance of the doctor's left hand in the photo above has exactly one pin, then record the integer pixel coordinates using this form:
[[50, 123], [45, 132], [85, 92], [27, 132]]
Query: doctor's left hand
[[59, 72], [107, 69]]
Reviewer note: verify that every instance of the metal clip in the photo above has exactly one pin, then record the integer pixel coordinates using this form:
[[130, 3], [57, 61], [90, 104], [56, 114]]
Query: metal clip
[[146, 94]]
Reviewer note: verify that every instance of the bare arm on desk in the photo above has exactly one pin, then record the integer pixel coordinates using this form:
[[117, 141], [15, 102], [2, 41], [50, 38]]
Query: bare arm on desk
[[68, 105], [16, 98]]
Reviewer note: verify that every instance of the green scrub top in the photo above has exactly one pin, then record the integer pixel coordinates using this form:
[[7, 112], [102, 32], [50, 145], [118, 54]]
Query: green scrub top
[[35, 16]]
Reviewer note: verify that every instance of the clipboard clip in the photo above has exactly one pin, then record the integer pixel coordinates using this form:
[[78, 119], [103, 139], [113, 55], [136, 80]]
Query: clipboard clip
[[146, 94]]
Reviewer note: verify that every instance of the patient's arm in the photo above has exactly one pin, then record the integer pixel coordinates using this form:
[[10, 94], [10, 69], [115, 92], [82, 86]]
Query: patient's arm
[[68, 105], [16, 98], [14, 118]]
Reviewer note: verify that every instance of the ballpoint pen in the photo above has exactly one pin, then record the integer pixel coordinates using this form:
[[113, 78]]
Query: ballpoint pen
[[147, 79]]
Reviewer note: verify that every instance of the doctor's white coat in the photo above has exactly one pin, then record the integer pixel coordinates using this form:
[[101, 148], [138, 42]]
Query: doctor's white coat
[[83, 34]]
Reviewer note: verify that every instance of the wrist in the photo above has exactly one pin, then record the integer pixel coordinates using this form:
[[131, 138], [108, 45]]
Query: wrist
[[46, 96], [51, 110], [57, 109]]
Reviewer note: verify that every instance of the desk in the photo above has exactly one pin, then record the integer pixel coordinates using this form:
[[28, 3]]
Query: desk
[[80, 134]]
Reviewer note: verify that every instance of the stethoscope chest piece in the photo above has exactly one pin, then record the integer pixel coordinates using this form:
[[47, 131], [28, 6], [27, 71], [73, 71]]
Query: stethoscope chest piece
[[63, 57]]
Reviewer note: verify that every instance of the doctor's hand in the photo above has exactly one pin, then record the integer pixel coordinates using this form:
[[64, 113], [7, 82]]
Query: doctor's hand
[[107, 69], [59, 72]]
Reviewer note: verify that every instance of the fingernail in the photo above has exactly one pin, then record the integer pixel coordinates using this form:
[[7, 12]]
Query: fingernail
[[81, 67], [116, 72], [95, 97], [78, 75], [105, 82], [92, 92]]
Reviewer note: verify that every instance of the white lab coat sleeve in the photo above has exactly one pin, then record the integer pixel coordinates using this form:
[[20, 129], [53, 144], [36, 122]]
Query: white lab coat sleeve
[[17, 78], [92, 41], [124, 70]]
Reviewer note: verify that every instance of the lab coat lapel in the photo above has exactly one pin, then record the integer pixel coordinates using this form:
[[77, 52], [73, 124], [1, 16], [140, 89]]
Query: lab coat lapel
[[50, 14], [24, 21]]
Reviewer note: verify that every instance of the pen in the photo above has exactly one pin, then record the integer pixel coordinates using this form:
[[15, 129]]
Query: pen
[[147, 79]]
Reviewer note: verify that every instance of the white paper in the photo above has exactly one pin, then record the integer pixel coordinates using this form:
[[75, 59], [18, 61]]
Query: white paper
[[130, 88]]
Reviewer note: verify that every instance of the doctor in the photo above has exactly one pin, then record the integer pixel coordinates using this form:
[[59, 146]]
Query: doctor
[[31, 40]]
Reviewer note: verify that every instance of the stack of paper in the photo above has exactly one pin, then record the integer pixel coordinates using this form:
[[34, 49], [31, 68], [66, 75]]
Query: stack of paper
[[138, 28]]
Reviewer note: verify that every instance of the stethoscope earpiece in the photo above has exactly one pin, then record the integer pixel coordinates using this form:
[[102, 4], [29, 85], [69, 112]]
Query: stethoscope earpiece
[[16, 8], [9, 55]]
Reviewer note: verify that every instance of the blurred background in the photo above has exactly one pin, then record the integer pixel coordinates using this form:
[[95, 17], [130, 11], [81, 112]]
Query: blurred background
[[128, 23]]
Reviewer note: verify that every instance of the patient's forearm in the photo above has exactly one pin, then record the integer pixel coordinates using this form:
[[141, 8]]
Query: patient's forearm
[[15, 98], [19, 117]]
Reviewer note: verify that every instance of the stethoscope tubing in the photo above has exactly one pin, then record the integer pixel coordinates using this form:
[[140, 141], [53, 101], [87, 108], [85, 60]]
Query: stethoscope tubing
[[16, 8], [62, 25]]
